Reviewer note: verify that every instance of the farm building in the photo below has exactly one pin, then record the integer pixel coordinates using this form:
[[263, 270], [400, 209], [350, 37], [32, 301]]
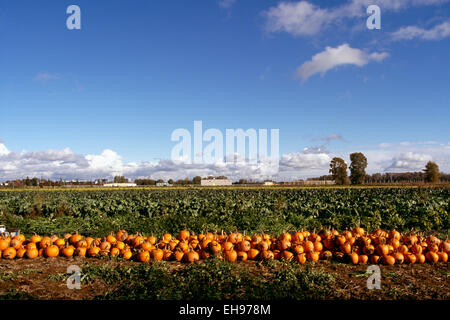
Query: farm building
[[163, 184], [120, 185], [216, 182]]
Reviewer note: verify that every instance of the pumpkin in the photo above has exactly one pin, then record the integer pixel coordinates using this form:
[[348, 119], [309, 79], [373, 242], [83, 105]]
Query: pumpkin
[[374, 258], [420, 258], [143, 256], [443, 256], [298, 249], [3, 244], [252, 254], [410, 258], [68, 251], [363, 259], [93, 251], [121, 235], [75, 238], [301, 258], [326, 255], [266, 255], [59, 242], [51, 251], [230, 256], [191, 256], [242, 256], [388, 260], [297, 237], [30, 245], [399, 258], [183, 235], [354, 258], [127, 254], [178, 255], [35, 238], [157, 254], [245, 245], [9, 253], [32, 253], [432, 257], [111, 239], [45, 242], [318, 246], [20, 252], [313, 256], [287, 255], [308, 246], [16, 244], [80, 251]]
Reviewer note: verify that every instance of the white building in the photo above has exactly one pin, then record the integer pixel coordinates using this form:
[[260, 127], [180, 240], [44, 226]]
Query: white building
[[216, 182], [120, 185]]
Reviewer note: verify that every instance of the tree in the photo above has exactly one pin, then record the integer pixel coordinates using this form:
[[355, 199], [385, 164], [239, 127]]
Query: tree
[[358, 167], [120, 179], [431, 172], [338, 170], [197, 180], [170, 181]]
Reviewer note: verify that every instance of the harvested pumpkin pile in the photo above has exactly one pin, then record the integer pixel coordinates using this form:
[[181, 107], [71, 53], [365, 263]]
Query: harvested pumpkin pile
[[356, 246]]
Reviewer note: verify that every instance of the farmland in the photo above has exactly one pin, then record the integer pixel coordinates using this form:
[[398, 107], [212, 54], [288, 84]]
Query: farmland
[[272, 211]]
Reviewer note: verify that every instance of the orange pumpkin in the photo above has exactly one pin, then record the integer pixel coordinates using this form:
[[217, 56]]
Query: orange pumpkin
[[51, 251], [9, 253]]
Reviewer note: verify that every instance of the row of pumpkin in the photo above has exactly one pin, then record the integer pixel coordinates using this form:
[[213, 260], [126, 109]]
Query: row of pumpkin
[[351, 246]]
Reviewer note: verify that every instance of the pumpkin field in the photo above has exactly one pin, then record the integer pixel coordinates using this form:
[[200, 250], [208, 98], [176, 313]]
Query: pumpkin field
[[226, 243]]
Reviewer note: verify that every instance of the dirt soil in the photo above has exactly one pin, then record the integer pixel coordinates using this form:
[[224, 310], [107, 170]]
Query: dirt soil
[[46, 279]]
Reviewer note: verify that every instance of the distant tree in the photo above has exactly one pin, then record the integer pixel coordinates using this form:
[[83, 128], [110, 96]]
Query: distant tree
[[170, 181], [358, 167], [120, 179], [338, 170], [243, 181], [431, 172], [159, 181], [197, 180]]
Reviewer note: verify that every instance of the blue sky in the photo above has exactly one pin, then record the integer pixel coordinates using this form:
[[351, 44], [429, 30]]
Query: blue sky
[[138, 70]]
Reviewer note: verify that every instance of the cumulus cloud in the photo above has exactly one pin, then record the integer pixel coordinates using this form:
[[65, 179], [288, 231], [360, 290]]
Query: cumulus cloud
[[301, 18], [410, 161], [438, 32], [333, 57], [312, 161], [3, 149], [305, 19]]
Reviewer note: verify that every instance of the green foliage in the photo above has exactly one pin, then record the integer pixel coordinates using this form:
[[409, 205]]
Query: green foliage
[[210, 280], [358, 167], [338, 170], [271, 210], [431, 172]]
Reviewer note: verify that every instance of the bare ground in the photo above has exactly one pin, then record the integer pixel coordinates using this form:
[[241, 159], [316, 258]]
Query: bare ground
[[46, 279]]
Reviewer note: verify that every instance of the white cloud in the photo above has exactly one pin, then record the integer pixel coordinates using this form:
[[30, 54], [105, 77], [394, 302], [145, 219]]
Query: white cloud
[[333, 57], [410, 161], [438, 32], [313, 161], [305, 19], [301, 18], [3, 149]]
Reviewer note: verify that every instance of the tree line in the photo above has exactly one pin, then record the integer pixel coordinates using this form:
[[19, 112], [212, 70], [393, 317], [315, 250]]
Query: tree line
[[358, 164]]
